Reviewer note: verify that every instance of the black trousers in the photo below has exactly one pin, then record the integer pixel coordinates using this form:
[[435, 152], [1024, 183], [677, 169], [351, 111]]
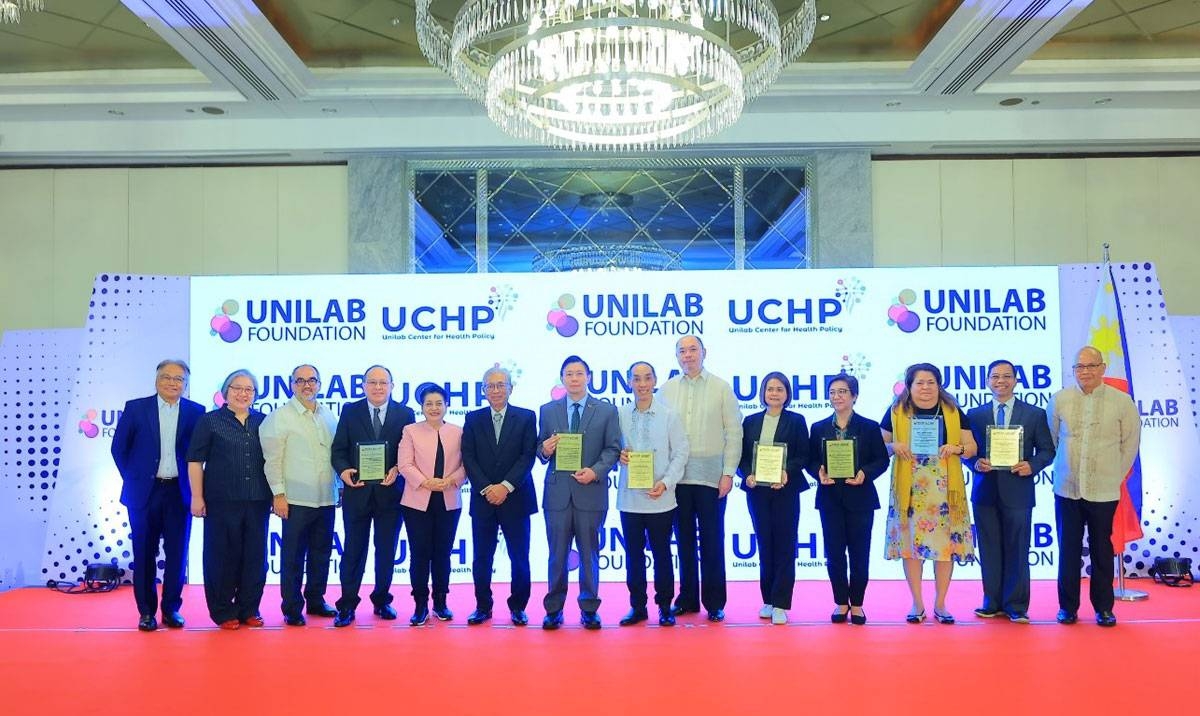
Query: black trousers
[[847, 533], [485, 524], [700, 509], [655, 528], [307, 537], [164, 518], [1072, 516], [776, 518], [430, 539], [1003, 535], [356, 524], [235, 558]]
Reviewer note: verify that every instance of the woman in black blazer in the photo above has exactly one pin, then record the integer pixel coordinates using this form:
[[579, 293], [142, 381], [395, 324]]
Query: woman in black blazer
[[775, 507], [848, 505]]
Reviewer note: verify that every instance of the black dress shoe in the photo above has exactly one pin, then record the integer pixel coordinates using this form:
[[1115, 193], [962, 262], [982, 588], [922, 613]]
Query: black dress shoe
[[344, 618], [519, 617], [173, 620], [321, 610], [419, 617], [478, 616], [385, 612], [665, 617], [147, 623], [680, 610], [294, 619], [986, 613], [635, 616], [716, 615], [590, 620], [552, 621], [1065, 617], [1018, 617], [1106, 619], [442, 612]]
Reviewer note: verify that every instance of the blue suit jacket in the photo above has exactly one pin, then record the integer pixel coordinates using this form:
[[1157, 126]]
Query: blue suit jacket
[[489, 462], [355, 426], [136, 449], [793, 432], [601, 447], [871, 457], [1001, 487]]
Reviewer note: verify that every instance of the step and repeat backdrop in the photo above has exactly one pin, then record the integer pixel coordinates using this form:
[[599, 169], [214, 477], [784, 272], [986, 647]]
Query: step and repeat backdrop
[[448, 329]]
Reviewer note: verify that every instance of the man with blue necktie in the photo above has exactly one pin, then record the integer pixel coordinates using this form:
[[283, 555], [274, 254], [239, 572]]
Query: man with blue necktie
[[1003, 496], [575, 500]]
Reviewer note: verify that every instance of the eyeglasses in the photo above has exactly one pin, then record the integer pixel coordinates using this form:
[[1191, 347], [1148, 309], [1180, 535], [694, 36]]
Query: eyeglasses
[[379, 383], [172, 379], [495, 386], [1087, 366], [839, 391], [306, 381], [241, 389]]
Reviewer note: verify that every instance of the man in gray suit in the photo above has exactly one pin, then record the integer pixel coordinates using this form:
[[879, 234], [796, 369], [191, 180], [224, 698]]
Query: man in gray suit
[[576, 501]]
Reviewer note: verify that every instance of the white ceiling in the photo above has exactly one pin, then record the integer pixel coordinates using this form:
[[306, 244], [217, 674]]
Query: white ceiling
[[277, 109]]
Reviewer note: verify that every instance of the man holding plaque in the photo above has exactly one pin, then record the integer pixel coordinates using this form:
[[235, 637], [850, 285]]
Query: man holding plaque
[[364, 457], [655, 451], [713, 422], [580, 439], [1017, 446], [1097, 430], [498, 443]]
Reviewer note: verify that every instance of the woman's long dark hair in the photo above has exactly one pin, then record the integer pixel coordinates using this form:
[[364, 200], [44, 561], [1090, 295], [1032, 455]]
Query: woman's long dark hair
[[904, 400]]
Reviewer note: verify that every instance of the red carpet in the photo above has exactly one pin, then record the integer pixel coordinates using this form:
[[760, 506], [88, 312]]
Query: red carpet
[[59, 651]]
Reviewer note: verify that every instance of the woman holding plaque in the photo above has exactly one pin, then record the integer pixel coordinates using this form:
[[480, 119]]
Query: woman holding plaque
[[230, 491], [846, 454], [774, 453], [928, 517], [430, 459]]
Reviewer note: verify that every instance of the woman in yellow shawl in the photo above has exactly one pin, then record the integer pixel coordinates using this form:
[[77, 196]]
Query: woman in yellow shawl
[[928, 516]]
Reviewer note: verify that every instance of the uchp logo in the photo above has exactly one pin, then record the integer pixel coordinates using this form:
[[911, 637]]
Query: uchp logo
[[222, 325], [559, 320], [87, 424], [850, 292], [899, 314]]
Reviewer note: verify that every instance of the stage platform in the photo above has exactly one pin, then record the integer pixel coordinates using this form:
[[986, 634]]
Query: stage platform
[[84, 652]]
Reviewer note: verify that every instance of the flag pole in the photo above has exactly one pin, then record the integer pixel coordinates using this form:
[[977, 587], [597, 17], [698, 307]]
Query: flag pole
[[1121, 593]]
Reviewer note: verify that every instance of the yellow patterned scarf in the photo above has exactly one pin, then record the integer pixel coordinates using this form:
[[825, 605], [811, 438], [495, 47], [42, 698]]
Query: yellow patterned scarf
[[902, 470]]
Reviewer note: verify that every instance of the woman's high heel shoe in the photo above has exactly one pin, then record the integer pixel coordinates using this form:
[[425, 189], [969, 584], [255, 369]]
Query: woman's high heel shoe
[[839, 616], [858, 619], [915, 618]]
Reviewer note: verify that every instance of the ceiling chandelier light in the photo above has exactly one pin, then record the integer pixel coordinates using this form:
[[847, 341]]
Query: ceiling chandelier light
[[10, 10], [614, 74]]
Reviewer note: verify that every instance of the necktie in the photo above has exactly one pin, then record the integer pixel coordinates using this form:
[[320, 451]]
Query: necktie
[[439, 460], [575, 418], [1000, 415], [377, 424], [497, 422]]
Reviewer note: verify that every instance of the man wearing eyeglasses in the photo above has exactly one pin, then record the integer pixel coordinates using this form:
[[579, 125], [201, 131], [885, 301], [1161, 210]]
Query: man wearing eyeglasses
[[369, 499], [1096, 430], [150, 446], [498, 446], [297, 440]]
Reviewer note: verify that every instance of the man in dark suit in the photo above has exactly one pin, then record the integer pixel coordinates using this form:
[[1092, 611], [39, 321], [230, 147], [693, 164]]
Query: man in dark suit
[[1003, 496], [576, 501], [376, 418], [498, 444], [150, 448]]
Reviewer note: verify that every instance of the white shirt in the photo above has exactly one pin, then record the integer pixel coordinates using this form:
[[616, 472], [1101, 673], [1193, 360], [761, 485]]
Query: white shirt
[[1101, 431], [168, 424], [713, 422], [296, 442]]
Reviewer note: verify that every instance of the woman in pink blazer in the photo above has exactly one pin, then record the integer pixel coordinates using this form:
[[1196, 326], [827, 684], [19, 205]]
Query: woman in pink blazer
[[430, 460]]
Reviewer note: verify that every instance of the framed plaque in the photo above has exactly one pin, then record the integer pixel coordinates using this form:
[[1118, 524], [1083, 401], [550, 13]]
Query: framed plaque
[[372, 460], [839, 458], [1004, 445], [769, 459]]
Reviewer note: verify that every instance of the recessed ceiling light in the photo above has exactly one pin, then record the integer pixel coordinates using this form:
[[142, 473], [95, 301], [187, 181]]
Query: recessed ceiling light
[[893, 103], [1104, 100], [116, 113], [212, 110], [824, 17], [1011, 101]]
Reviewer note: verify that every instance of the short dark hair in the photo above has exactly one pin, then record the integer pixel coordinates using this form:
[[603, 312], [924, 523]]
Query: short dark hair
[[1001, 361], [425, 389], [384, 368], [307, 365], [787, 387], [850, 381], [574, 359], [635, 364]]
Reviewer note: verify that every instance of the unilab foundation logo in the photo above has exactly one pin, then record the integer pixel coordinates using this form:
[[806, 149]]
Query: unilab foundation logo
[[559, 320], [87, 424], [223, 325], [899, 314]]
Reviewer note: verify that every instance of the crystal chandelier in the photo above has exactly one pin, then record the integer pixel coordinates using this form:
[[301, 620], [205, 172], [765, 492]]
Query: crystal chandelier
[[10, 10], [614, 74]]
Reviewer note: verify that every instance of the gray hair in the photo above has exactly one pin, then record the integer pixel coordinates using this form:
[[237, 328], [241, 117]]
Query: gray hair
[[307, 365], [235, 374], [498, 369], [187, 372]]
